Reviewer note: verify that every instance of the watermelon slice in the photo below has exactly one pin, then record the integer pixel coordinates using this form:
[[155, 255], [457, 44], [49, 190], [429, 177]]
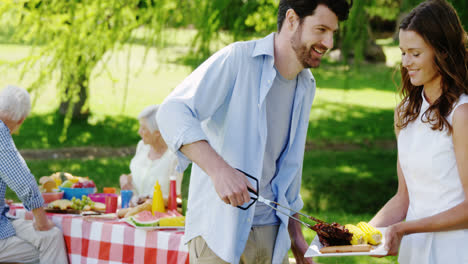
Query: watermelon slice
[[160, 215], [145, 218]]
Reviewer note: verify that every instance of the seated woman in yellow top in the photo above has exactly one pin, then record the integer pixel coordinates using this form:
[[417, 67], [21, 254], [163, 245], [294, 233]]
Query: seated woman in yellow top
[[152, 162]]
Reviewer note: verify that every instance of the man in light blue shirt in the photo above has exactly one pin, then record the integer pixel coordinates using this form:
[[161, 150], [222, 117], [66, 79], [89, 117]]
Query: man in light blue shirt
[[247, 107]]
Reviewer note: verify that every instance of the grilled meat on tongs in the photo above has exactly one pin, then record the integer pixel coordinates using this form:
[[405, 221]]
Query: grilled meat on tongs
[[329, 234]]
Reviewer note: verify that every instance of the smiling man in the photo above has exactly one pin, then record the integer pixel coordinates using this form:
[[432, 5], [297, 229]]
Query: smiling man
[[247, 109]]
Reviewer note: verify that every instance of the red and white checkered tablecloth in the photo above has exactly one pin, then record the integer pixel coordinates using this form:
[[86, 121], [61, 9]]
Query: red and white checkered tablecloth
[[117, 242]]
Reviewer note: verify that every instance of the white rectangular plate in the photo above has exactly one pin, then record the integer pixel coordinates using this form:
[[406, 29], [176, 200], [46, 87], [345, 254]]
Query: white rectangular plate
[[315, 246]]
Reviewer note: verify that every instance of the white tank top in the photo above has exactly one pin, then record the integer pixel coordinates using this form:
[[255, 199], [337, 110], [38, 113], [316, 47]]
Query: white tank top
[[427, 159]]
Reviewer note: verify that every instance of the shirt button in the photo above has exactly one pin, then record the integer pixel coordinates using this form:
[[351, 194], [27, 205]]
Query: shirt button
[[248, 220], [268, 81], [258, 105]]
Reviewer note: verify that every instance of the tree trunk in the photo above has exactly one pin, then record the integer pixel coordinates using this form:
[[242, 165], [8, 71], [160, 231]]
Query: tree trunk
[[78, 112]]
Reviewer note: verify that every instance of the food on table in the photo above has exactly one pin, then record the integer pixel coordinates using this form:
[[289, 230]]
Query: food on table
[[61, 177], [145, 219], [373, 235], [332, 234], [122, 212], [99, 206], [67, 184], [359, 237], [88, 184], [146, 206], [47, 184], [85, 204], [348, 248], [77, 185], [172, 221], [61, 204]]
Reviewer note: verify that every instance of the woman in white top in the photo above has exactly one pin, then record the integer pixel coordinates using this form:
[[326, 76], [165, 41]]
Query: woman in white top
[[152, 162], [427, 219]]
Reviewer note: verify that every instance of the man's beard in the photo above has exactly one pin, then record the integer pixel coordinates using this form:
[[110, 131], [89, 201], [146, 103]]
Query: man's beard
[[304, 54]]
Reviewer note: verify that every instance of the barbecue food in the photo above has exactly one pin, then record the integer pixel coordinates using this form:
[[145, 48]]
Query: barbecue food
[[146, 206], [359, 237], [348, 248], [61, 204], [373, 235], [332, 234]]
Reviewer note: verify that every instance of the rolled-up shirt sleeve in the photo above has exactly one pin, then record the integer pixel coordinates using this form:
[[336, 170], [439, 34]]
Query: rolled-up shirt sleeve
[[196, 99], [16, 174]]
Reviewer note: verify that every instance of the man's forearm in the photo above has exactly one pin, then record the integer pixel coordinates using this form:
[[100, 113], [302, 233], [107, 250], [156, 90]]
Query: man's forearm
[[230, 184], [205, 157]]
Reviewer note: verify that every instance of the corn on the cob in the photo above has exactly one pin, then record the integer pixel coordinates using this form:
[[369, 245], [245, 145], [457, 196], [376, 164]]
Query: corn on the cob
[[172, 221], [359, 237], [374, 236]]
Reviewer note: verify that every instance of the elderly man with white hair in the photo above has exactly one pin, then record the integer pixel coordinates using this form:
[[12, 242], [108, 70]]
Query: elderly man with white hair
[[153, 161], [23, 240]]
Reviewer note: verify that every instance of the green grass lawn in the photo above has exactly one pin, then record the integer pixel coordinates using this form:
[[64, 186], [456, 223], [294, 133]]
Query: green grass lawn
[[351, 106]]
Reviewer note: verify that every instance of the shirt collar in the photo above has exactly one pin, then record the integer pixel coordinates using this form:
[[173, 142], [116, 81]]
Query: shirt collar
[[265, 46], [5, 126]]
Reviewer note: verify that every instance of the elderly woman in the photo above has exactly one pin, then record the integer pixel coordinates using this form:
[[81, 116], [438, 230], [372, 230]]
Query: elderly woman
[[152, 161]]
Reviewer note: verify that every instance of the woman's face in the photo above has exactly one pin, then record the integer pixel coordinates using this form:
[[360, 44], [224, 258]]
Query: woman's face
[[145, 133], [418, 58]]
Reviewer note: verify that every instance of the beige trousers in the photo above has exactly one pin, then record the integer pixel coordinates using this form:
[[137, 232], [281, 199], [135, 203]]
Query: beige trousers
[[258, 250], [31, 246]]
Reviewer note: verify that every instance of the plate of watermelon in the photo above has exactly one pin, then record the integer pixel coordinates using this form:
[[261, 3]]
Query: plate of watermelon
[[147, 221]]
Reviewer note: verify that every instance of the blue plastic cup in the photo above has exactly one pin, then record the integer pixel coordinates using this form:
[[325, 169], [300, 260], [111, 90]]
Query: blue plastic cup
[[126, 196]]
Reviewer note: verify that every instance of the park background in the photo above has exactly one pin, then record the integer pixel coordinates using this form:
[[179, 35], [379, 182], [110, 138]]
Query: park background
[[92, 66]]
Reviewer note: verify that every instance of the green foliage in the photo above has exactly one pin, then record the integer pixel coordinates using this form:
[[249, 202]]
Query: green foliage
[[264, 18], [355, 32], [71, 37], [385, 9], [43, 132]]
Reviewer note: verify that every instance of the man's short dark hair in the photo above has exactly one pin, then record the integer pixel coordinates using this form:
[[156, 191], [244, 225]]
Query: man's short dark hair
[[305, 8]]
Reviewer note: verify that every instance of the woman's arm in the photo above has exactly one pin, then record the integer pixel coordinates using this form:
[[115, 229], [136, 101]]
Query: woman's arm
[[456, 217], [396, 208]]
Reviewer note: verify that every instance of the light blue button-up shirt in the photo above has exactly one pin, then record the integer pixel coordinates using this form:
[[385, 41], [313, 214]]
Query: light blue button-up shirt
[[223, 102]]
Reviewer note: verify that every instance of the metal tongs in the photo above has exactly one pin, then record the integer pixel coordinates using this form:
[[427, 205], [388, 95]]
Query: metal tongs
[[257, 197]]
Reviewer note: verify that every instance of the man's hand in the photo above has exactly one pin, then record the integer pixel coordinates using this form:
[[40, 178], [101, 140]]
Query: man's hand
[[298, 244], [43, 226], [231, 186], [41, 222]]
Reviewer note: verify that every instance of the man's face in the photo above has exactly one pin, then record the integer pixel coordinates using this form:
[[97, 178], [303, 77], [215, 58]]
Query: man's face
[[314, 36], [15, 130]]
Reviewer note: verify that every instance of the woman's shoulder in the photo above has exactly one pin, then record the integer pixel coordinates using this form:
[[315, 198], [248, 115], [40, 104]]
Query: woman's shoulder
[[141, 147], [462, 100]]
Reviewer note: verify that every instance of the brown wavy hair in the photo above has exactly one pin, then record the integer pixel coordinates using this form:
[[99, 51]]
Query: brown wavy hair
[[437, 22]]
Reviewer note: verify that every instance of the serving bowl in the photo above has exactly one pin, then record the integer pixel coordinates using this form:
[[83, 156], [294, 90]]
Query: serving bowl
[[52, 196], [100, 197], [69, 193]]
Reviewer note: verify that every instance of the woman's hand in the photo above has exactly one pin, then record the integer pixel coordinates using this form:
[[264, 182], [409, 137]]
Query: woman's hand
[[126, 182], [393, 238]]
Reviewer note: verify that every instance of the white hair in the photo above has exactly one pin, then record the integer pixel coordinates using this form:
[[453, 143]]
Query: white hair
[[15, 103], [149, 115]]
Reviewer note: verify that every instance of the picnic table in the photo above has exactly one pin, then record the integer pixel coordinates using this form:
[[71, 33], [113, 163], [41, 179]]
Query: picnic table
[[113, 241]]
